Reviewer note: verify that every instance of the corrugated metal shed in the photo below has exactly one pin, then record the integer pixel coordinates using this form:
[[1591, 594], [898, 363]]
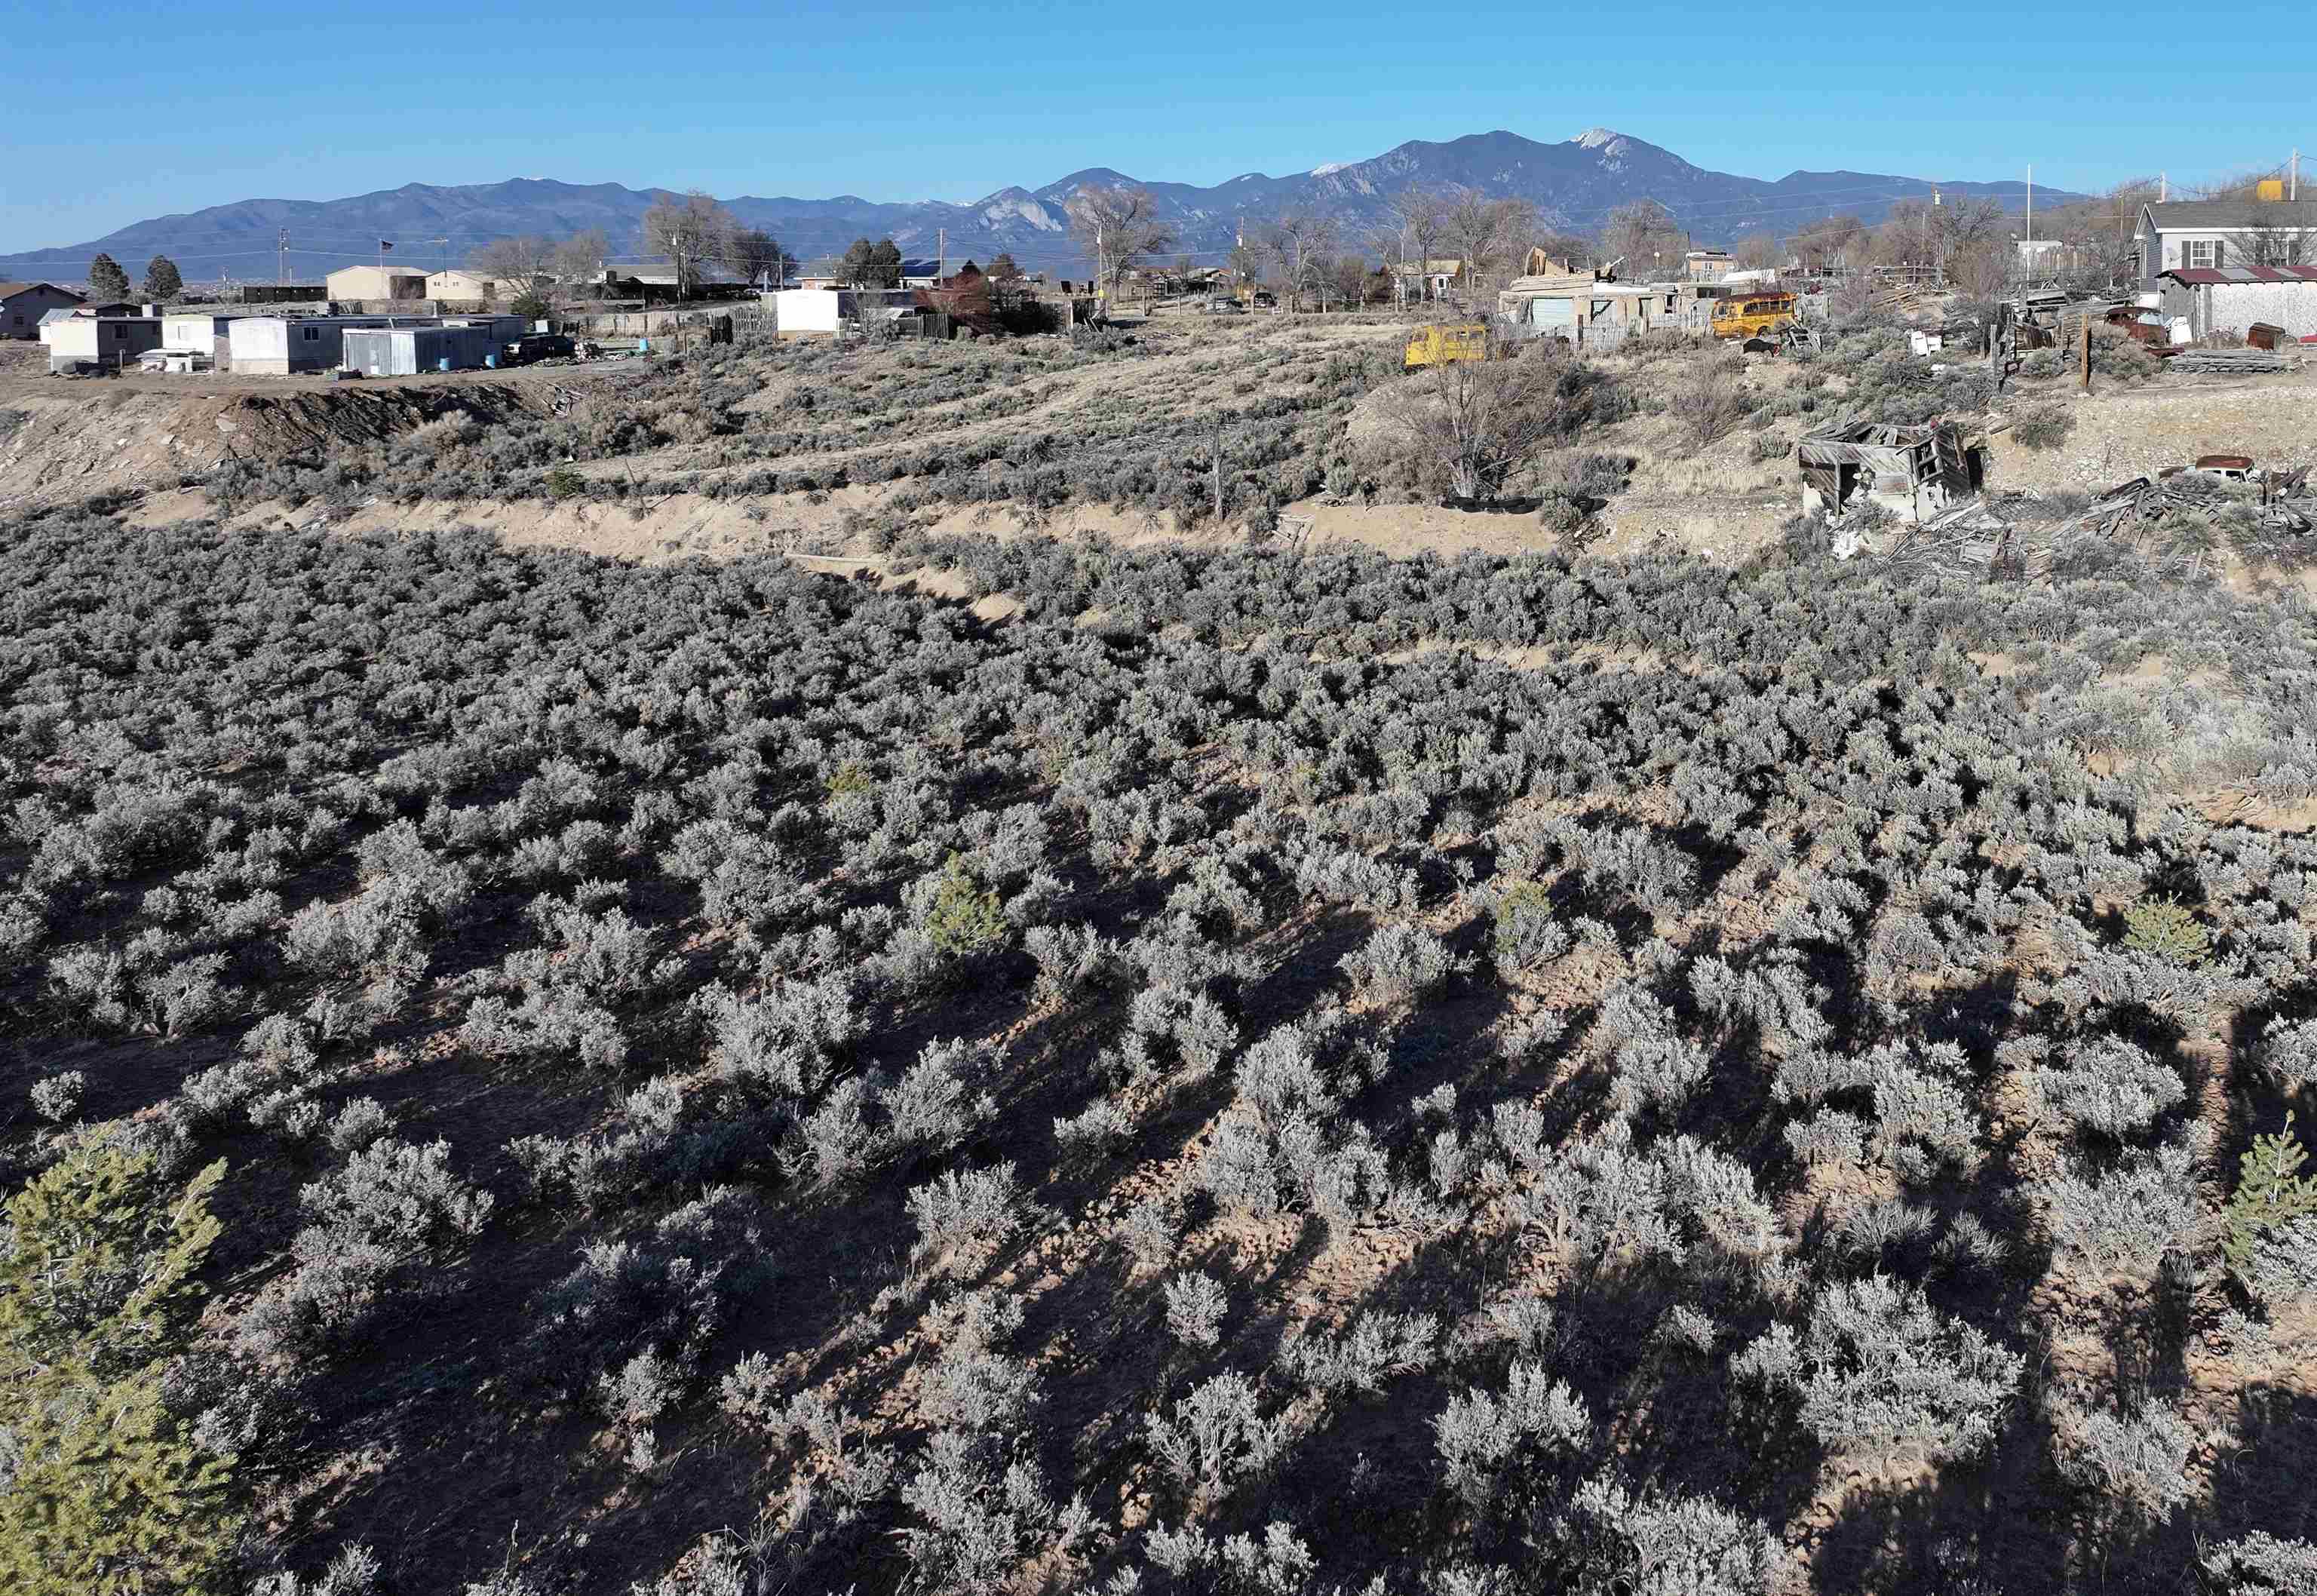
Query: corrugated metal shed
[[406, 351]]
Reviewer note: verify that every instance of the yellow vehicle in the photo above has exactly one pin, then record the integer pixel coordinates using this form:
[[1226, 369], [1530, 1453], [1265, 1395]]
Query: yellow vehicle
[[1753, 315], [1445, 343]]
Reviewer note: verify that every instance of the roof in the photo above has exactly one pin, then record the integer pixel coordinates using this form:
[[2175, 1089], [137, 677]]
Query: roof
[[2208, 275], [9, 290], [2227, 215]]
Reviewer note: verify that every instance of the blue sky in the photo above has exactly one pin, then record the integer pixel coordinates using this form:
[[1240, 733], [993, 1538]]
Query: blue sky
[[112, 112]]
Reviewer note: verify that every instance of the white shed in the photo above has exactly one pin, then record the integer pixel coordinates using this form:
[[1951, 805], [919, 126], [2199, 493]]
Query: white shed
[[2230, 298], [99, 340]]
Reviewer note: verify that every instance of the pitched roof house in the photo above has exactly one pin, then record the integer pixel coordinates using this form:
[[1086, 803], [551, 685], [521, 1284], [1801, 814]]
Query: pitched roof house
[[23, 304], [2187, 235]]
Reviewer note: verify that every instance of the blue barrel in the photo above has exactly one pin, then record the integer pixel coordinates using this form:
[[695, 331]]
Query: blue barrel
[[643, 345], [492, 360], [443, 364]]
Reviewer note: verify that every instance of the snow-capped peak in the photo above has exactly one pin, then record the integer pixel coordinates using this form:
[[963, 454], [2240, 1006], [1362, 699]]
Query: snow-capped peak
[[1330, 166], [1595, 137]]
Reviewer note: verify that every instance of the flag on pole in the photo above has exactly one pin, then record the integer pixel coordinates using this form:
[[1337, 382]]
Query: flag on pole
[[383, 244]]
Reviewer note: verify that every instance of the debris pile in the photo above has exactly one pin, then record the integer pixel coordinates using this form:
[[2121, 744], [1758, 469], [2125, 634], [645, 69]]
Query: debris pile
[[2144, 500], [2228, 363]]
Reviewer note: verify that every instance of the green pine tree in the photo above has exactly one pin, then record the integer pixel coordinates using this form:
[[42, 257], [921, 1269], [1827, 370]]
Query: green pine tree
[[163, 281], [106, 279], [2272, 1199], [108, 1491]]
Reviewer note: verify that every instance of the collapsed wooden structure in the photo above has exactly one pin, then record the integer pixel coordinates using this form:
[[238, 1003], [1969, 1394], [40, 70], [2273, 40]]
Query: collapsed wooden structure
[[1915, 472]]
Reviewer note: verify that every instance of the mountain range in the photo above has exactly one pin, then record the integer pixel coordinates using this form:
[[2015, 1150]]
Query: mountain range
[[1574, 185]]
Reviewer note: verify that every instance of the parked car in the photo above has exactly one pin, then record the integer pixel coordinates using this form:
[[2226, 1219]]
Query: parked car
[[1223, 308]]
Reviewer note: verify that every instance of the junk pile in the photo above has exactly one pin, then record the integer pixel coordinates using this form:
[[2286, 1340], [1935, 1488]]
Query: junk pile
[[1975, 538], [2127, 509]]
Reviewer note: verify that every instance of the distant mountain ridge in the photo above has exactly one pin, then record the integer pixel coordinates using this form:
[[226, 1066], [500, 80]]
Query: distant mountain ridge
[[1574, 185]]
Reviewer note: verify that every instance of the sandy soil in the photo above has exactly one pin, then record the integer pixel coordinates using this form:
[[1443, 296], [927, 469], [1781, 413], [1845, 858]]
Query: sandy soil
[[2124, 432]]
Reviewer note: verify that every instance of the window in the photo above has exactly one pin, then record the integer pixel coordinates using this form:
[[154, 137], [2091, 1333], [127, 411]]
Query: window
[[313, 334], [2205, 252]]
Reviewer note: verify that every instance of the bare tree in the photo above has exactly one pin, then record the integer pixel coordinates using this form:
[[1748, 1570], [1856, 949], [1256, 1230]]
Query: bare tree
[[1755, 251], [1117, 226], [1298, 242], [1565, 247], [2101, 233], [579, 259], [1484, 232], [523, 268], [1642, 234], [1472, 427], [691, 232], [1827, 242], [1420, 214], [2272, 237]]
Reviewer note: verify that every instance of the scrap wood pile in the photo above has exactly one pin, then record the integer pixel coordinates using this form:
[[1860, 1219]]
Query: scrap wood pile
[[1904, 296], [1976, 537], [1972, 537], [2228, 363], [2130, 508]]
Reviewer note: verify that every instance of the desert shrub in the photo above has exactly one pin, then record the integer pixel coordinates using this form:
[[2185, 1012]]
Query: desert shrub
[[355, 1571], [975, 1384], [1216, 1437], [2130, 1218], [2108, 1085], [399, 1196], [962, 1216], [1398, 964], [632, 1320], [2260, 1561], [1278, 1564], [1490, 1443], [57, 1097], [1882, 1375], [1195, 1305], [1610, 1539], [980, 1515], [1149, 1233], [1526, 934], [2042, 426], [936, 1103], [2118, 355], [1376, 1347], [2134, 1463], [1711, 399], [2288, 1052]]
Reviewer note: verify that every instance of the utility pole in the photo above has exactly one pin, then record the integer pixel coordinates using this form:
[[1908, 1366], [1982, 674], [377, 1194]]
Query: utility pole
[[282, 268], [2031, 209], [2163, 187], [2294, 192], [941, 255]]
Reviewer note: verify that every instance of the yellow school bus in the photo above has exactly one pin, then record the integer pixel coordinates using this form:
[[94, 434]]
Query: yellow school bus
[[1445, 343], [1752, 315]]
